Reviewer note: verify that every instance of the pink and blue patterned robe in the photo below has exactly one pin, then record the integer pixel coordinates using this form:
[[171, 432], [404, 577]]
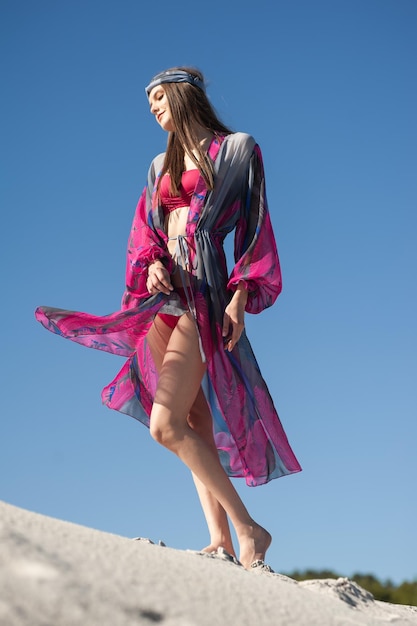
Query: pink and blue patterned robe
[[249, 436]]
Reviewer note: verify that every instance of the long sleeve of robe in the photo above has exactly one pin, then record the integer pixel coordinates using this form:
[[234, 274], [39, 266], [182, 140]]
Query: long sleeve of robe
[[249, 435]]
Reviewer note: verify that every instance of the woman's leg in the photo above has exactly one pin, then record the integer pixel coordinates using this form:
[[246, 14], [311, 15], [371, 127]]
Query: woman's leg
[[179, 382], [216, 519], [200, 421]]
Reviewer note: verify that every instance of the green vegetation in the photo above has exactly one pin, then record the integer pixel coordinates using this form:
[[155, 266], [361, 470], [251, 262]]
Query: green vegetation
[[406, 593]]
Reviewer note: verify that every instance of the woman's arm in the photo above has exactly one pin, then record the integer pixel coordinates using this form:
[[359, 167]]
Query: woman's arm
[[257, 265], [234, 317], [146, 247]]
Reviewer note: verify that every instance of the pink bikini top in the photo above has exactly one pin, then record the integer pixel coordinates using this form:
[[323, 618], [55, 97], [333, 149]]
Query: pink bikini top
[[188, 183]]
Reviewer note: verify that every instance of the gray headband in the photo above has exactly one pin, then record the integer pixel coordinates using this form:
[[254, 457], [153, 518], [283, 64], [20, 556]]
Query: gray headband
[[174, 76]]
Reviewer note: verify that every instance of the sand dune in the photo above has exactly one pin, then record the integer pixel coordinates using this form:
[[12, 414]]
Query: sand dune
[[54, 573]]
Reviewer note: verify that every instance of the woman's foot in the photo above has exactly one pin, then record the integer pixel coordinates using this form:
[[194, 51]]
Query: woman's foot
[[254, 541], [214, 547]]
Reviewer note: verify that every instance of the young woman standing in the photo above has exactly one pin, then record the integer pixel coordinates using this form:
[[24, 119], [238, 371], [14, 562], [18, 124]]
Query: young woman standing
[[191, 375]]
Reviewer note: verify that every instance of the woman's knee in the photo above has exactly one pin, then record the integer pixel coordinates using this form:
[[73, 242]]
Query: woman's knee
[[157, 431], [157, 434], [163, 428]]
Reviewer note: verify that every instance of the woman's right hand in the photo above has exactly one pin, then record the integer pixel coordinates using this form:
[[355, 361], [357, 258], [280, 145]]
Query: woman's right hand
[[158, 279]]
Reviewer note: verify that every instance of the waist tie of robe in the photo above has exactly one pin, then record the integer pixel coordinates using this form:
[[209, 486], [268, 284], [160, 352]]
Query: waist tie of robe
[[181, 253]]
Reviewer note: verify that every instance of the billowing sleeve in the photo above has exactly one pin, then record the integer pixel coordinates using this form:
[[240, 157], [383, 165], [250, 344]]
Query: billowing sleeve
[[256, 256], [146, 244]]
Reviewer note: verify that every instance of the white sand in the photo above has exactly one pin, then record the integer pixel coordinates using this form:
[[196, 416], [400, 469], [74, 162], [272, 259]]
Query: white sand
[[53, 573]]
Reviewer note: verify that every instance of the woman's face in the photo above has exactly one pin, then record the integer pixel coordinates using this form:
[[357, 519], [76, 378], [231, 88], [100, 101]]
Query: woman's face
[[159, 106]]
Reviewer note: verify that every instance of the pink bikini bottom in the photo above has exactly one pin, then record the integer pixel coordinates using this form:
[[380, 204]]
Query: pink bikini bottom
[[169, 320], [172, 320]]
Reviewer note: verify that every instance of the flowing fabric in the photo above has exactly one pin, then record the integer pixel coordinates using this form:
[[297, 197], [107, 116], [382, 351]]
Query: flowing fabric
[[249, 436]]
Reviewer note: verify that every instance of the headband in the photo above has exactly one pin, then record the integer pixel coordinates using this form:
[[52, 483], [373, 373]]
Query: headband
[[174, 76]]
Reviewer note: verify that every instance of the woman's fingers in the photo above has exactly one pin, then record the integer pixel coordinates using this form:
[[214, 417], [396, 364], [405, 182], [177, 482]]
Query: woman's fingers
[[226, 325], [159, 280], [233, 326], [236, 333]]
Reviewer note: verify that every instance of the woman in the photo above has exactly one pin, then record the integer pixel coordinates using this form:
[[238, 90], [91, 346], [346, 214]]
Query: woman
[[191, 375]]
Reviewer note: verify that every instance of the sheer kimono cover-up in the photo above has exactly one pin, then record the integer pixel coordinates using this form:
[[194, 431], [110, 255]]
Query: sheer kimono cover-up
[[250, 439]]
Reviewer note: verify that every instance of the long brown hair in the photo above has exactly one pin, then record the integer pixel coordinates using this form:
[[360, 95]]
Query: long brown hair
[[189, 107]]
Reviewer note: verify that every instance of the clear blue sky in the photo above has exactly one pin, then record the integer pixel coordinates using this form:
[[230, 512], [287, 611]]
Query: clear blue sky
[[329, 90]]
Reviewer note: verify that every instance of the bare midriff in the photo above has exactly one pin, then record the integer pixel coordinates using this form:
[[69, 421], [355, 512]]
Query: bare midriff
[[176, 209], [175, 225]]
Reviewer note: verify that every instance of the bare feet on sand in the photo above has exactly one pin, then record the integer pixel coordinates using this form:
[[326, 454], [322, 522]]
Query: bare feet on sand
[[213, 547], [254, 541]]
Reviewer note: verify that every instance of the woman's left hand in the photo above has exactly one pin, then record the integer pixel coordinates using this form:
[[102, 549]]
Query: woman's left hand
[[234, 318]]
